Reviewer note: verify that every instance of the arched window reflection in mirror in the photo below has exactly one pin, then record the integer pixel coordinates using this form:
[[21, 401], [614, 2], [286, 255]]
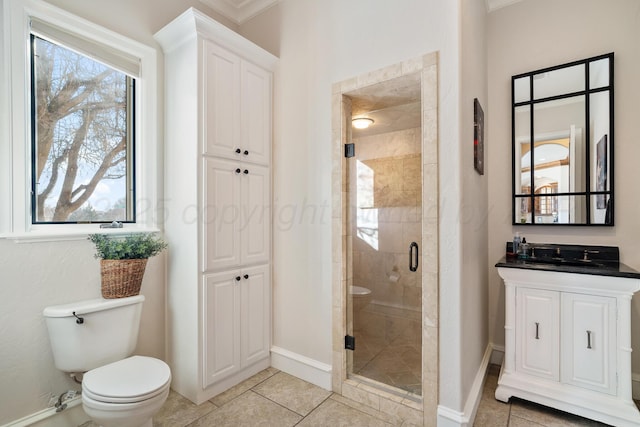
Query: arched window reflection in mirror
[[562, 130]]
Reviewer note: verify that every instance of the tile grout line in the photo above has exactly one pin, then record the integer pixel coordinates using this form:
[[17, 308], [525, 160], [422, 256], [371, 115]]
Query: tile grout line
[[314, 409], [234, 398]]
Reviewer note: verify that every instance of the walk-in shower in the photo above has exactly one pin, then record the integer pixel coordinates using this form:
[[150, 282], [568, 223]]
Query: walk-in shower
[[385, 198], [385, 240]]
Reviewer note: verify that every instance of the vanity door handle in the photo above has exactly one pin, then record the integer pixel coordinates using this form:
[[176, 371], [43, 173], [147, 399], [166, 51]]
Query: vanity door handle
[[238, 150], [537, 330], [589, 339], [238, 170], [413, 256]]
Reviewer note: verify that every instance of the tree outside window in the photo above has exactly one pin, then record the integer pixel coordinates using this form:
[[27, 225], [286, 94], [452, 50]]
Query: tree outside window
[[82, 145]]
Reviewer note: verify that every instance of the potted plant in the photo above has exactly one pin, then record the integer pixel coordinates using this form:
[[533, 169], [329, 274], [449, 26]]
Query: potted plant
[[123, 260]]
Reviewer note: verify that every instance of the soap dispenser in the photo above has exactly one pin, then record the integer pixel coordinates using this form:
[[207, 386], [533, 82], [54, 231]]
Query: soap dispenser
[[524, 249], [516, 244]]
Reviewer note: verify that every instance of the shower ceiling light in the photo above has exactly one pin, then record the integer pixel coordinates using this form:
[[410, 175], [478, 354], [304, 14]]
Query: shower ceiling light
[[362, 122]]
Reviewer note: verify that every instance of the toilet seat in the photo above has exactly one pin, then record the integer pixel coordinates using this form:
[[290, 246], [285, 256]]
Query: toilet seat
[[134, 379]]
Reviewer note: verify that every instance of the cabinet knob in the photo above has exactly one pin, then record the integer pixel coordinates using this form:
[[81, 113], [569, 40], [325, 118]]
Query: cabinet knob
[[246, 153], [246, 171], [238, 170], [246, 276], [537, 330], [238, 278], [238, 150], [589, 340]]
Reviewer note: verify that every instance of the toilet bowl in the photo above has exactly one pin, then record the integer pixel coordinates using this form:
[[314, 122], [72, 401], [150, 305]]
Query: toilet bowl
[[126, 393], [361, 297]]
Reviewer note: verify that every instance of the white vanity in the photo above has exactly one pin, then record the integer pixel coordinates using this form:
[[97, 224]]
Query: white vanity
[[568, 338]]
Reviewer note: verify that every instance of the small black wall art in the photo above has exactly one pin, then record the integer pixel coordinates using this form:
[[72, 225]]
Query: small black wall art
[[478, 137]]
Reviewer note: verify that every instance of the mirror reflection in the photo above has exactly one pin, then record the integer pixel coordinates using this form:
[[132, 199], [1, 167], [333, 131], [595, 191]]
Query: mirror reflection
[[562, 144]]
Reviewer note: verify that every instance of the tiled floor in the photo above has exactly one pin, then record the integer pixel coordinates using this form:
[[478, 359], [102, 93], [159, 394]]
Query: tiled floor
[[274, 398], [271, 398], [396, 363]]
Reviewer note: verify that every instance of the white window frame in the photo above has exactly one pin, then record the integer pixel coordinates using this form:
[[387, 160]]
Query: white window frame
[[15, 119]]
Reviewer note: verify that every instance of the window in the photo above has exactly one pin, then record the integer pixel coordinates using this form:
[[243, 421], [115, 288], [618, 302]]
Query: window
[[546, 203], [78, 126], [82, 138]]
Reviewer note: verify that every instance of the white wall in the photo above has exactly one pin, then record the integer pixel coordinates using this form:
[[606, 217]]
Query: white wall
[[538, 33], [473, 214], [35, 275], [320, 43]]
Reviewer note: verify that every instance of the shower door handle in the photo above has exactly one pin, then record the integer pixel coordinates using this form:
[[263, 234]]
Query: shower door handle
[[413, 256]]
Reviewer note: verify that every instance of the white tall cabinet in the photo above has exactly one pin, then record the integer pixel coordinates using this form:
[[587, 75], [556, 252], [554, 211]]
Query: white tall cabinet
[[568, 343], [217, 204]]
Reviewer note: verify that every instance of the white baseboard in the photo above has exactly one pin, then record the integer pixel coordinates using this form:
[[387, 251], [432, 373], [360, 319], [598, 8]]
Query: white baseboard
[[497, 356], [303, 367], [448, 417], [72, 416]]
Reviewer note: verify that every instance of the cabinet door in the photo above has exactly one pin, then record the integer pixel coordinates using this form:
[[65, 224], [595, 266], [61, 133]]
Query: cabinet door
[[221, 326], [589, 342], [255, 214], [537, 333], [256, 109], [256, 314], [221, 103], [221, 216]]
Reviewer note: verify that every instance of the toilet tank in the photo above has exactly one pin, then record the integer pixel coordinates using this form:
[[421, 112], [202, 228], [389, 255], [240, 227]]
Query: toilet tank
[[101, 331]]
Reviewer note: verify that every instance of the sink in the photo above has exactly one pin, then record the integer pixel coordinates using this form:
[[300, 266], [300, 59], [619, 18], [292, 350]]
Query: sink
[[563, 261]]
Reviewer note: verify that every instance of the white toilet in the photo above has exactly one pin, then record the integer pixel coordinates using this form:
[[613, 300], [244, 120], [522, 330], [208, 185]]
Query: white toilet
[[97, 337]]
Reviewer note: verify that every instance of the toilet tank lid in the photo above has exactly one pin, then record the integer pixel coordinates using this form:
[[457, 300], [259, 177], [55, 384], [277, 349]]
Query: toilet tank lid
[[90, 306]]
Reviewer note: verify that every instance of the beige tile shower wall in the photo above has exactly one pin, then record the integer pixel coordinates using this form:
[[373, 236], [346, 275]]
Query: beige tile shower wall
[[430, 243], [387, 223], [396, 181]]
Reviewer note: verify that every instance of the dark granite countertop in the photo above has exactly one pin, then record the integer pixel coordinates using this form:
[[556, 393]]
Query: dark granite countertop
[[614, 270], [562, 258]]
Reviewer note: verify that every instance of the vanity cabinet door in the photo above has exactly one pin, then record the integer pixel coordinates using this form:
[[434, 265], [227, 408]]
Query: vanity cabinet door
[[537, 333], [589, 342]]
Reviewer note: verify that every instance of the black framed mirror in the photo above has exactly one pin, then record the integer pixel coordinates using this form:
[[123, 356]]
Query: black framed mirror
[[562, 152]]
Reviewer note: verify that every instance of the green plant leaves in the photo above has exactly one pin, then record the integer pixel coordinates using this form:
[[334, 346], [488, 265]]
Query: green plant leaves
[[134, 246]]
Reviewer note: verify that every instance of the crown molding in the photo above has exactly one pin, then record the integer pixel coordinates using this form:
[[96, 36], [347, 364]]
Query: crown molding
[[239, 11]]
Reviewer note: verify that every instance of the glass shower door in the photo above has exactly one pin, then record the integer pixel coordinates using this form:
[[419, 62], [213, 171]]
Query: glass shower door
[[385, 290]]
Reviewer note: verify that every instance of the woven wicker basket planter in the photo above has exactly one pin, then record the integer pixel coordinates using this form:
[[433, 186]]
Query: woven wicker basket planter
[[121, 277]]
